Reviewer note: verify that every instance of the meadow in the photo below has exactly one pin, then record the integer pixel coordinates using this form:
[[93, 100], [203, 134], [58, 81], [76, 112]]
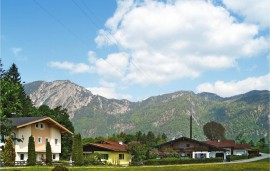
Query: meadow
[[262, 165]]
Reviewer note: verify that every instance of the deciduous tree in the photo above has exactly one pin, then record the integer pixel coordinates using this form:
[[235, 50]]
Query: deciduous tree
[[214, 131]]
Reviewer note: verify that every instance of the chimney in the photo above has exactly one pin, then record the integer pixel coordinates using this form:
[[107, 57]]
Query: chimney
[[190, 127]]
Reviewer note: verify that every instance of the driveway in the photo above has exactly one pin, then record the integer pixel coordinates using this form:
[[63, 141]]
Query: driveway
[[263, 156]]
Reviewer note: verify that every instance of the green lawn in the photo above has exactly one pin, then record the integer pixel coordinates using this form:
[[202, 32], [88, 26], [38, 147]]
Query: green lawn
[[262, 165]]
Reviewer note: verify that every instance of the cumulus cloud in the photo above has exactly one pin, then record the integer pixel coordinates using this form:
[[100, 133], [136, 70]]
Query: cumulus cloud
[[253, 11], [226, 89], [72, 67], [109, 90], [168, 41]]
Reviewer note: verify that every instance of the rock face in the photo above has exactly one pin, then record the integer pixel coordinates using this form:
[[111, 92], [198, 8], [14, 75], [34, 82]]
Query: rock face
[[59, 93], [94, 115]]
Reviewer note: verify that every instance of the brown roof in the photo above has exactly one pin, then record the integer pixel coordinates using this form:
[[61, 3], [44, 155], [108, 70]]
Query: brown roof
[[222, 143], [228, 144], [194, 141], [109, 146], [24, 121]]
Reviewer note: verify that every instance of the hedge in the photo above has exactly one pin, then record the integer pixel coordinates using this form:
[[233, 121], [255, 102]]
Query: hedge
[[169, 161]]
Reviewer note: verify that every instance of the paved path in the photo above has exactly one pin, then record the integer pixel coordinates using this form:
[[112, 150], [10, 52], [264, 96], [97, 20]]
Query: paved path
[[263, 156]]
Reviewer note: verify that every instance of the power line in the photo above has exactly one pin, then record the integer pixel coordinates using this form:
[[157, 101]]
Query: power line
[[59, 22], [107, 35]]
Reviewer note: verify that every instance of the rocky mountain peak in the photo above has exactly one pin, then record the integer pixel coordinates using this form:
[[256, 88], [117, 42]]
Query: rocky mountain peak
[[59, 93]]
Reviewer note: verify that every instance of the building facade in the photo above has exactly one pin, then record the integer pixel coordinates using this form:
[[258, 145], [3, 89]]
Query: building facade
[[111, 152], [43, 129]]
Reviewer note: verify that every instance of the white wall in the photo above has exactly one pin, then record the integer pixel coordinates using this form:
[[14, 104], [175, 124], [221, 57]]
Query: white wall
[[55, 134], [22, 147], [240, 152]]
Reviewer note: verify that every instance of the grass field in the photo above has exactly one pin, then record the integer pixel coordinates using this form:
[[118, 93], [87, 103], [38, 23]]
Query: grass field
[[262, 165]]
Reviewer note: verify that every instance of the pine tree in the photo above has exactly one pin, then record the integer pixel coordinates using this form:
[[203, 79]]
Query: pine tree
[[48, 153], [14, 75], [9, 152], [31, 161]]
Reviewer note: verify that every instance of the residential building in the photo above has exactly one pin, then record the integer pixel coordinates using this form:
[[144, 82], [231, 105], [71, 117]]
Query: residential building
[[231, 147], [111, 152], [43, 129], [191, 148]]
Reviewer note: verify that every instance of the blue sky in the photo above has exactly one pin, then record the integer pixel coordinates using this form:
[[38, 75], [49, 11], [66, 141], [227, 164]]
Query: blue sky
[[136, 49]]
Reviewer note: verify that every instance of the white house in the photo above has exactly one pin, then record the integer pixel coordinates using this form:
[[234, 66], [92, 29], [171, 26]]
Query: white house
[[43, 129], [231, 147]]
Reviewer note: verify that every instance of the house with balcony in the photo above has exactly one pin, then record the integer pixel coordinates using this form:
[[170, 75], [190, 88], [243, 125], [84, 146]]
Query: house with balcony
[[43, 129], [231, 147], [190, 148]]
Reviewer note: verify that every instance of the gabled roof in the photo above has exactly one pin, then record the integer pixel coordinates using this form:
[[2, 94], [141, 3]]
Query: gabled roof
[[24, 121], [191, 140], [109, 146]]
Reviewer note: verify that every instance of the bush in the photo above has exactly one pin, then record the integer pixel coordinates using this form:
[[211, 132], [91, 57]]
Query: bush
[[60, 168], [93, 159], [169, 161], [232, 158]]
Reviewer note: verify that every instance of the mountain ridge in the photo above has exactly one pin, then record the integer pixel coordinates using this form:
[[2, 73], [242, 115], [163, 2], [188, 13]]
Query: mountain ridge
[[94, 115]]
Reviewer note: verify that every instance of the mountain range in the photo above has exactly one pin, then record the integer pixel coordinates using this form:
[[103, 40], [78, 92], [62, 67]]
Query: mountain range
[[94, 115]]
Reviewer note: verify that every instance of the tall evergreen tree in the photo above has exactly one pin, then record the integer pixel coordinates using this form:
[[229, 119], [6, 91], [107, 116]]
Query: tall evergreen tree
[[48, 153], [80, 150], [9, 152], [14, 75], [77, 150], [74, 153], [31, 161]]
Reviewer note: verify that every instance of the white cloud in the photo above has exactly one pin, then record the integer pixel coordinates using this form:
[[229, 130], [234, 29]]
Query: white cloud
[[16, 51], [254, 11], [72, 67], [168, 41], [109, 90], [115, 65], [226, 89]]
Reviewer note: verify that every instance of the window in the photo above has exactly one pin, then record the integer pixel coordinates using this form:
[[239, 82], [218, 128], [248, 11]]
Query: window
[[188, 145], [105, 156], [39, 140], [53, 156], [121, 156], [21, 156], [37, 125], [56, 141], [41, 126]]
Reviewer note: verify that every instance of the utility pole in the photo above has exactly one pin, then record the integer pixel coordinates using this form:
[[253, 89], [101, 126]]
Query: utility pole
[[190, 127]]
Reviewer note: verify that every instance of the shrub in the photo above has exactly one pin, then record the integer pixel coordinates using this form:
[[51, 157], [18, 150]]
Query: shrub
[[60, 168], [93, 159], [9, 152], [169, 161], [234, 157]]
